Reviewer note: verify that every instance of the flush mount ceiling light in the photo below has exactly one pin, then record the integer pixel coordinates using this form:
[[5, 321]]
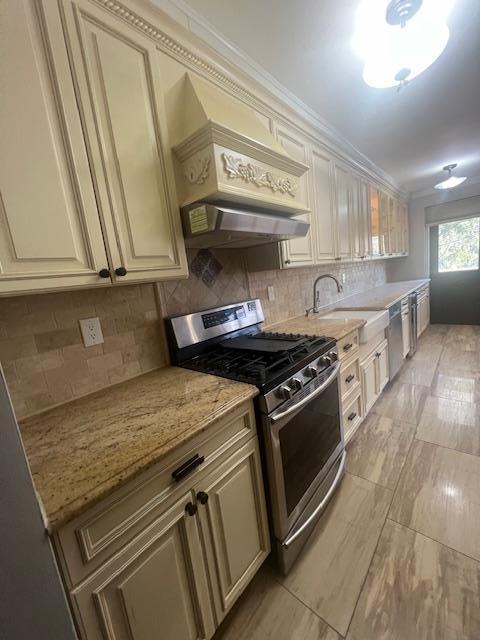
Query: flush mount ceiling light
[[451, 181], [398, 40]]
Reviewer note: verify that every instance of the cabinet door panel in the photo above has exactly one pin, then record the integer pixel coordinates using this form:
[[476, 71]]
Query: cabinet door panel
[[157, 588], [299, 251], [323, 204], [382, 366], [375, 237], [406, 333], [234, 521], [344, 222], [121, 77], [50, 234], [383, 223], [369, 383]]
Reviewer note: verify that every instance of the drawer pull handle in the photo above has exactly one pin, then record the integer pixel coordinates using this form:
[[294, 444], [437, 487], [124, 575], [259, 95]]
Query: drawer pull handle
[[349, 378], [287, 261], [187, 467], [104, 273], [202, 497], [191, 508], [348, 346], [377, 355], [352, 416], [120, 271]]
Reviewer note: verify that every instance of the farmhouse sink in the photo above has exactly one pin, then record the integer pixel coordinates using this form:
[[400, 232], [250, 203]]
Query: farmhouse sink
[[376, 321]]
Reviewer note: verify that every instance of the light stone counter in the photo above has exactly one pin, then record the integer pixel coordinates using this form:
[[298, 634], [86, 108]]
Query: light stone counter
[[315, 325], [381, 297], [81, 451]]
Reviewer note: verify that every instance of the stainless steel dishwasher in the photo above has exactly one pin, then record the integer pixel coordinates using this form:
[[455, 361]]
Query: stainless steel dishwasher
[[395, 339]]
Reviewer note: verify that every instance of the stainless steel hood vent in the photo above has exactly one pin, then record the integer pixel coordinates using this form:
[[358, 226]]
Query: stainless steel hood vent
[[207, 225]]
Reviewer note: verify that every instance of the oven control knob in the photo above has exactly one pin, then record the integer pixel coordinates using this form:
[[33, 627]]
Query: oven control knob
[[285, 391], [297, 384], [326, 360], [311, 371]]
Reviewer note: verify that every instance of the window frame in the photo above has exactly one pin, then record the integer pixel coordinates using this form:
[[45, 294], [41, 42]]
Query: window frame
[[434, 246]]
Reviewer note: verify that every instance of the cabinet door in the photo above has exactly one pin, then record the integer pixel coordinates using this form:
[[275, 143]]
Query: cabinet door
[[343, 219], [50, 234], [403, 215], [120, 94], [323, 207], [375, 240], [383, 223], [156, 588], [369, 382], [234, 524], [406, 333], [361, 218], [299, 251], [382, 366]]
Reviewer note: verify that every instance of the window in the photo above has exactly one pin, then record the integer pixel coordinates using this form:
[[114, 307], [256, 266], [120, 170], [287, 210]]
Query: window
[[459, 245]]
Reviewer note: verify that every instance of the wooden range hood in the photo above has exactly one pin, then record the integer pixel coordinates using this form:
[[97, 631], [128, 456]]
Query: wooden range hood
[[227, 154]]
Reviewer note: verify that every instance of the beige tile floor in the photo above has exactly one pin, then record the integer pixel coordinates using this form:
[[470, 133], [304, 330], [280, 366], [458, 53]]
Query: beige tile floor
[[396, 556]]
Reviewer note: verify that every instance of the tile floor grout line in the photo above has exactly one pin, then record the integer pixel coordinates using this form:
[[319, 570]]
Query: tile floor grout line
[[442, 544], [294, 595], [444, 446]]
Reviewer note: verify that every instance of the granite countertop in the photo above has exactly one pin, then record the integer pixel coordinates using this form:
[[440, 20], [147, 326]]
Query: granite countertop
[[381, 297], [81, 451], [315, 325]]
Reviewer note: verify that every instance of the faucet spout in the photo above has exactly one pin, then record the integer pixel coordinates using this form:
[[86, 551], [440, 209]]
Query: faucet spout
[[315, 308]]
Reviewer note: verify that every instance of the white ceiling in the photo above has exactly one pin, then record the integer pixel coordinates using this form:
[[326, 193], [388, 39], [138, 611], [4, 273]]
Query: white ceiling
[[306, 45]]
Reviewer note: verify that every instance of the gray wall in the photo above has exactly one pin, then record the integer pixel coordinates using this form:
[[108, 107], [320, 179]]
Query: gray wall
[[32, 601], [416, 265]]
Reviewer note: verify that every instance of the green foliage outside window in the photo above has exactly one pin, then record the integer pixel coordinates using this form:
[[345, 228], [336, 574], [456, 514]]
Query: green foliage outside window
[[459, 245]]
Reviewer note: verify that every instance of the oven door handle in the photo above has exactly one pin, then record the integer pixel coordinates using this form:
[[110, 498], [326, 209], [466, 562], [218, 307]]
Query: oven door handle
[[288, 541], [306, 400]]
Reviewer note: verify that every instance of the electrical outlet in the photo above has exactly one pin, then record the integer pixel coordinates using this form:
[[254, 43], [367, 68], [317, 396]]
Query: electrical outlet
[[91, 331], [343, 277], [271, 293]]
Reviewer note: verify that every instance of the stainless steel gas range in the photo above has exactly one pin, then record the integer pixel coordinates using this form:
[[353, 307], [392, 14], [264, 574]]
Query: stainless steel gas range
[[298, 409]]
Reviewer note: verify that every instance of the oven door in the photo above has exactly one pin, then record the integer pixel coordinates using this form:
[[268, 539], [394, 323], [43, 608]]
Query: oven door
[[304, 437]]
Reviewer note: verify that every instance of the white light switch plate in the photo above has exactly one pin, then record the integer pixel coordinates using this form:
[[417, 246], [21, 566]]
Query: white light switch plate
[[271, 293], [91, 331]]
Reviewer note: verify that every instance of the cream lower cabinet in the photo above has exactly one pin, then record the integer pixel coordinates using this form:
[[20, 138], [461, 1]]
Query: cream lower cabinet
[[350, 384], [165, 559], [423, 310], [374, 371]]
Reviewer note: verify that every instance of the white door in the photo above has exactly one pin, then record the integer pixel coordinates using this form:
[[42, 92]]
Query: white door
[[155, 588], [299, 251], [369, 382], [117, 71], [323, 206], [382, 366], [50, 234], [343, 218], [231, 506]]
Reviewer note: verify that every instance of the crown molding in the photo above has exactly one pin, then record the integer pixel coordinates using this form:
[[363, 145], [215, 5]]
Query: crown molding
[[414, 195], [198, 25], [197, 59]]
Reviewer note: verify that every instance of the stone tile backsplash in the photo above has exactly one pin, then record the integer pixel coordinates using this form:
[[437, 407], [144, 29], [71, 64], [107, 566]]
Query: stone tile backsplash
[[41, 349], [42, 352]]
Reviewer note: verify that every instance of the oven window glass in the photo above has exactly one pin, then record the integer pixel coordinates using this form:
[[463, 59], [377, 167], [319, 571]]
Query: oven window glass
[[307, 441]]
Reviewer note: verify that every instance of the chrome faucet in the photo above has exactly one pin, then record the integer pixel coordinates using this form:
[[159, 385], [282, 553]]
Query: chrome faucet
[[315, 308]]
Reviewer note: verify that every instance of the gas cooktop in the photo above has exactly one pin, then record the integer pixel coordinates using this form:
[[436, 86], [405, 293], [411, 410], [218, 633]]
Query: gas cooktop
[[263, 359]]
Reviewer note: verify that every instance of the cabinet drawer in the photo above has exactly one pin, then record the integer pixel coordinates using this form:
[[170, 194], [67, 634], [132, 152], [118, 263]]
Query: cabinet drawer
[[349, 376], [90, 539], [352, 416], [348, 346]]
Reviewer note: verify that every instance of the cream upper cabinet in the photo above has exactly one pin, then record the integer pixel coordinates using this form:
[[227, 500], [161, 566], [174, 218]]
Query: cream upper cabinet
[[361, 218], [383, 223], [393, 226], [323, 204], [299, 251], [157, 587], [403, 224], [233, 518], [120, 95], [375, 240], [344, 221], [50, 234]]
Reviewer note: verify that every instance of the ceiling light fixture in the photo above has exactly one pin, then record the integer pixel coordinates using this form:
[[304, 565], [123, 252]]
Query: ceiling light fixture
[[398, 40], [451, 181]]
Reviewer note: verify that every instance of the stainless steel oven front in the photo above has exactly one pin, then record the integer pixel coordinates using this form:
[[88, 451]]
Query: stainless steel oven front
[[303, 443]]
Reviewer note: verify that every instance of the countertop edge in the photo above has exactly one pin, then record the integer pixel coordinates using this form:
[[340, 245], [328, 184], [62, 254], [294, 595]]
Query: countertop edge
[[56, 520], [421, 283]]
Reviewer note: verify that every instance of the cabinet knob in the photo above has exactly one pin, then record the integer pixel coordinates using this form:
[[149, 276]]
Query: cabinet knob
[[352, 416], [120, 271], [104, 273], [287, 261], [202, 497], [349, 378], [191, 508]]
